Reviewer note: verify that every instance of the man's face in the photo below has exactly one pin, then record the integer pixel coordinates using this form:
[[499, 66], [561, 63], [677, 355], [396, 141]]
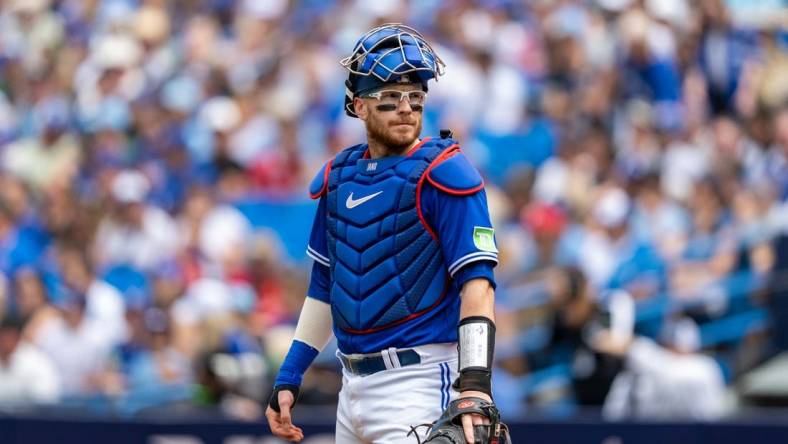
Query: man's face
[[9, 338], [132, 213], [396, 129]]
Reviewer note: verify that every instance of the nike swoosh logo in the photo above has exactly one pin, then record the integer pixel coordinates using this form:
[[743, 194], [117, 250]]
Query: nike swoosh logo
[[350, 203]]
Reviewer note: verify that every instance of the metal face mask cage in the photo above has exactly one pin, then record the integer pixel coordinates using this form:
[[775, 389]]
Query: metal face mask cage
[[387, 53]]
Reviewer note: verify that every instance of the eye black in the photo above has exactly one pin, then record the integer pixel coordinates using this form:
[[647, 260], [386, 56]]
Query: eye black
[[387, 107]]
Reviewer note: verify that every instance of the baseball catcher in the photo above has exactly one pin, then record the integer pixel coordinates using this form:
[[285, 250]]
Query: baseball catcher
[[404, 253]]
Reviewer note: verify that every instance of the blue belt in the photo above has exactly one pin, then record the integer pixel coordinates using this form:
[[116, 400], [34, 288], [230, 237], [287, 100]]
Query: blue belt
[[369, 364]]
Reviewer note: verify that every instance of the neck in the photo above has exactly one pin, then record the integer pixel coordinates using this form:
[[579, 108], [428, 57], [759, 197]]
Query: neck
[[378, 150]]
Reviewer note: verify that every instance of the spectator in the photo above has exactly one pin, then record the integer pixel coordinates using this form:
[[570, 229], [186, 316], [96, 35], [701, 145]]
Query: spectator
[[4, 302], [136, 234], [19, 247], [279, 172], [147, 370], [571, 308], [777, 155], [75, 344], [723, 52], [709, 253], [21, 204], [104, 305], [27, 376], [644, 143], [51, 158], [753, 234], [674, 382], [657, 219], [546, 224], [30, 295], [612, 256]]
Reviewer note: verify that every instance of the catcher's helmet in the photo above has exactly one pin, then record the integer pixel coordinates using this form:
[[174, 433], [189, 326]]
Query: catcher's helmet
[[389, 53]]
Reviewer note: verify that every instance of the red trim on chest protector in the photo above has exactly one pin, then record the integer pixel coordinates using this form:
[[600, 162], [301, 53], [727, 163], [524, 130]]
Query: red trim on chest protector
[[452, 190], [448, 152], [325, 181], [403, 320]]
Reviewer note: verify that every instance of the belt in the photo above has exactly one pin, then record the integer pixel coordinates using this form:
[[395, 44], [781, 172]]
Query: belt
[[368, 364]]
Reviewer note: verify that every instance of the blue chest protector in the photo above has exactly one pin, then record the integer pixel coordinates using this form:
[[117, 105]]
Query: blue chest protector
[[386, 265]]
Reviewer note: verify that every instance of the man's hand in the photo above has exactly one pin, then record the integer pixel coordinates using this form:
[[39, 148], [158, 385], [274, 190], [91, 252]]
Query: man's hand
[[611, 344], [281, 423], [471, 419]]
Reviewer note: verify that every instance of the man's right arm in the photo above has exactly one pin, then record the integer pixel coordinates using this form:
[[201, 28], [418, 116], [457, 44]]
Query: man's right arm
[[312, 334]]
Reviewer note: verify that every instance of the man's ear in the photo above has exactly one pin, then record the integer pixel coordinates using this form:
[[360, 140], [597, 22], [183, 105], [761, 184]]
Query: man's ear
[[361, 108]]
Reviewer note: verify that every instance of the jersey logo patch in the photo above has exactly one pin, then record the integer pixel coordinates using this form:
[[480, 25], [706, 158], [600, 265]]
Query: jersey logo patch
[[350, 203], [484, 239]]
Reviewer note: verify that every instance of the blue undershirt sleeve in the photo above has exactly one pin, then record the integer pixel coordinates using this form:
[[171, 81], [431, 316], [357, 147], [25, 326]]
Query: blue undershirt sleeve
[[319, 283], [317, 248], [482, 269]]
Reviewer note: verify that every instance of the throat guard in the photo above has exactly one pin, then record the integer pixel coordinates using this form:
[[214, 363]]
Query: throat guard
[[385, 261]]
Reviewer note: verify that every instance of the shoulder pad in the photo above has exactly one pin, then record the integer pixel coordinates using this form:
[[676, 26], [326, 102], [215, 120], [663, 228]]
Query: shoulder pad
[[441, 142], [456, 175], [320, 183]]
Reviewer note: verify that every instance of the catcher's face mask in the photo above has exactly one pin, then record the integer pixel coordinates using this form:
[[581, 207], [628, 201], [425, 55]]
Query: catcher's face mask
[[389, 54]]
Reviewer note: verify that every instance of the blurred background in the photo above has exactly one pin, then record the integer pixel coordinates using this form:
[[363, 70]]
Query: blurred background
[[155, 157]]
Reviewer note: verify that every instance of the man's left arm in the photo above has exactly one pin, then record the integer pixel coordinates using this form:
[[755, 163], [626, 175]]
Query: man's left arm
[[455, 206], [477, 339]]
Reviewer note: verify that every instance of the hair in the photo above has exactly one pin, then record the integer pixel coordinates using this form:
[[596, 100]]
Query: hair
[[12, 322], [5, 211], [577, 281]]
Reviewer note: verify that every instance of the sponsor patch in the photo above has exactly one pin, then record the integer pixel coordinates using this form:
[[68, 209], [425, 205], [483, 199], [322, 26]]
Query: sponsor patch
[[484, 239]]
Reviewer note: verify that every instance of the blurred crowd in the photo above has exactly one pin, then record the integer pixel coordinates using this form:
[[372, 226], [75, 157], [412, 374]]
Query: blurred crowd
[[634, 151]]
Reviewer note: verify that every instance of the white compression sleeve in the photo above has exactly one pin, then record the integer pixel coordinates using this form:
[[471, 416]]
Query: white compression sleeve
[[314, 324]]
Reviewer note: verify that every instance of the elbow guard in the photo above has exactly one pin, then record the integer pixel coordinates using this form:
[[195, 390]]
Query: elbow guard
[[476, 346]]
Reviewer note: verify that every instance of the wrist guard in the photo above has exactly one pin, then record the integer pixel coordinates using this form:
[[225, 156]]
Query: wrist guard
[[476, 345], [274, 401]]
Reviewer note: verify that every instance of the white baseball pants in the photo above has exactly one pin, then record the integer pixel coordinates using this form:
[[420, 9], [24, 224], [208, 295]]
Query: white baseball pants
[[382, 407]]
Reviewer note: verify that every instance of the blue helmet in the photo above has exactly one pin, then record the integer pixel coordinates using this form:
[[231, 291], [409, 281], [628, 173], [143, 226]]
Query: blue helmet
[[389, 53]]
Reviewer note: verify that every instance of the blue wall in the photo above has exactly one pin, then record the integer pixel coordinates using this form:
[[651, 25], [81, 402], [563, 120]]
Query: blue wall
[[22, 430], [290, 221]]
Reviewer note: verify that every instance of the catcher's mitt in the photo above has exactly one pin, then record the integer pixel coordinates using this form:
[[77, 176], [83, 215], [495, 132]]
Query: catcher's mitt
[[448, 428]]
